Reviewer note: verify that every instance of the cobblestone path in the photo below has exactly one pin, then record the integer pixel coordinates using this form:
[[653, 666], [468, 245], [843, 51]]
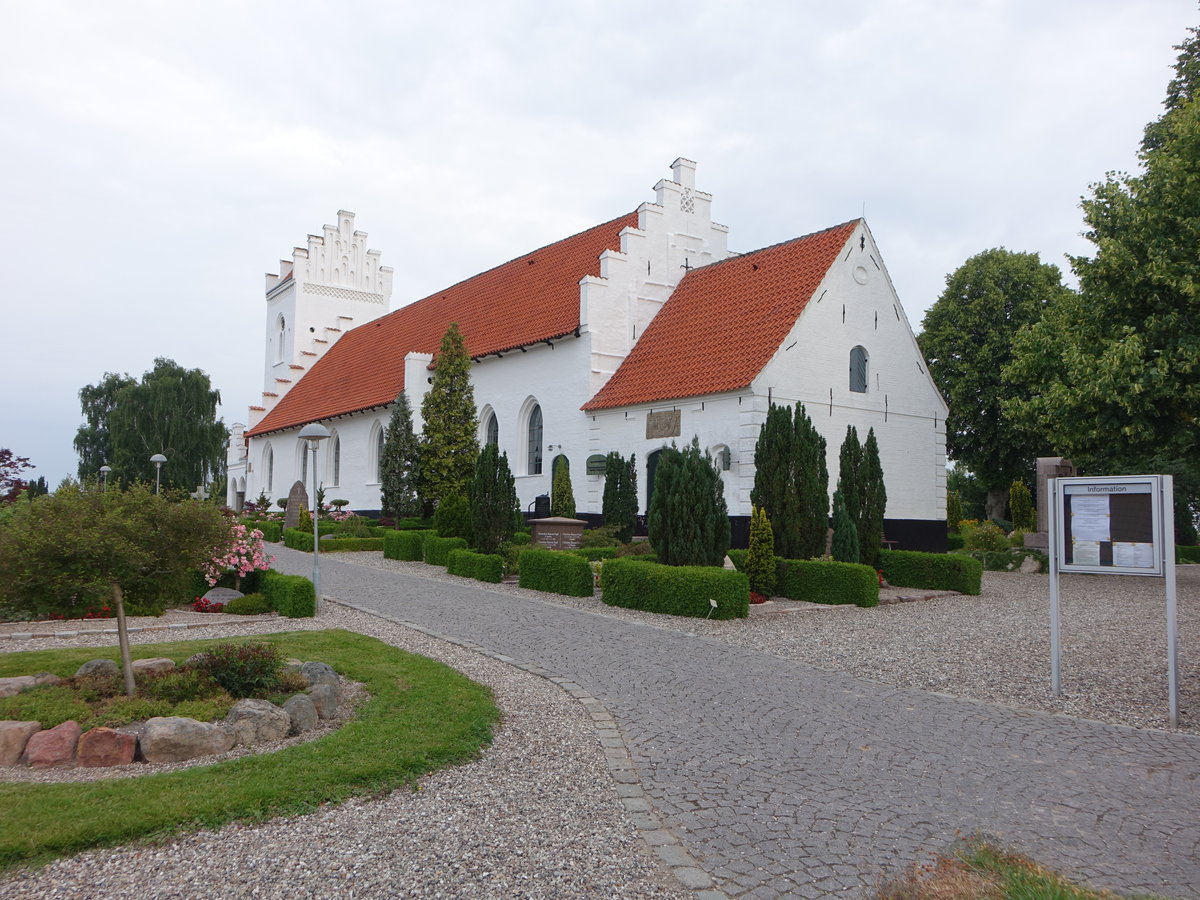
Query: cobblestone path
[[787, 781]]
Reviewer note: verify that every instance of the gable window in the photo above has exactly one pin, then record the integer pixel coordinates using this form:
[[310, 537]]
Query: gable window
[[280, 339], [858, 370], [535, 442]]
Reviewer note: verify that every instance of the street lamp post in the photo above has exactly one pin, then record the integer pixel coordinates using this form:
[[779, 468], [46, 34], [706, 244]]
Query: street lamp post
[[158, 459], [314, 433], [104, 470]]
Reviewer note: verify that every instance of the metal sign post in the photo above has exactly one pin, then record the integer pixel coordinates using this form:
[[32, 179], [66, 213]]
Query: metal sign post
[[1119, 525]]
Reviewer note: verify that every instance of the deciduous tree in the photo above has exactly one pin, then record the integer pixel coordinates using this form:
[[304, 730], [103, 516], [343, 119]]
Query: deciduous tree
[[11, 482], [93, 441]]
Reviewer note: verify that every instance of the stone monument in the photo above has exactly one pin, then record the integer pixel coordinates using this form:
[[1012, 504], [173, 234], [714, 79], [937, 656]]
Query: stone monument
[[1047, 467], [297, 500]]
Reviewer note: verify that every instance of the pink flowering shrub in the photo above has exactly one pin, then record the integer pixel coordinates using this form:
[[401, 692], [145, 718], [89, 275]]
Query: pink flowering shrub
[[242, 554]]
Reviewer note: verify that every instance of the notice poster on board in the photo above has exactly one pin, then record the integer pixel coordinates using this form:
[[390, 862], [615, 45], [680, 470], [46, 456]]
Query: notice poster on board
[[1109, 525]]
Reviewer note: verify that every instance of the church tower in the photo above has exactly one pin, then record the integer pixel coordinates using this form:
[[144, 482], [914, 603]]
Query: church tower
[[325, 289]]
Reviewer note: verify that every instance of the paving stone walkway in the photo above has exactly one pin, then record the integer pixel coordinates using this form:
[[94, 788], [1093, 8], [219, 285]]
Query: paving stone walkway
[[786, 781]]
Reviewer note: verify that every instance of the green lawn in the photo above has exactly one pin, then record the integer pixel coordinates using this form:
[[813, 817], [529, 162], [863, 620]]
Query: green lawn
[[421, 715]]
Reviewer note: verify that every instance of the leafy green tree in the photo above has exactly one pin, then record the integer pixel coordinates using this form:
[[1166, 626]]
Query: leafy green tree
[[688, 519], [874, 503], [449, 443], [845, 533], [93, 441], [562, 495], [493, 499], [78, 549], [971, 493], [760, 557], [399, 469], [1181, 89], [967, 338], [620, 495]]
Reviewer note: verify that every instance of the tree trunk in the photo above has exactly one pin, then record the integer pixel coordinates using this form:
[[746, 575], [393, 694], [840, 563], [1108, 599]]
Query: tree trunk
[[123, 639], [996, 504]]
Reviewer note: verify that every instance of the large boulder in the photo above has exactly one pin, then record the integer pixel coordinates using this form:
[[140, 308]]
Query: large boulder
[[167, 739], [319, 673], [98, 667], [11, 686], [325, 699], [54, 746], [303, 713], [257, 722], [105, 747], [13, 738], [152, 665]]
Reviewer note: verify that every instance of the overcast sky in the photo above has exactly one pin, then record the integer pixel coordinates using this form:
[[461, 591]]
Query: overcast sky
[[156, 159]]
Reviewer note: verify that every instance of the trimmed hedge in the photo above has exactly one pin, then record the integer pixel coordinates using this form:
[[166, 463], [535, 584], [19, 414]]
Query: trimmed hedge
[[935, 571], [407, 545], [1187, 554], [289, 595], [828, 581], [594, 554], [272, 531], [437, 549], [303, 541], [480, 566], [675, 590], [557, 572]]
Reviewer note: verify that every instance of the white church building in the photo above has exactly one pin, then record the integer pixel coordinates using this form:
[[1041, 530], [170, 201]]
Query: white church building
[[640, 331]]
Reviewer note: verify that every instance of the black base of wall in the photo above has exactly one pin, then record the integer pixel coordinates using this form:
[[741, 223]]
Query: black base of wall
[[902, 534]]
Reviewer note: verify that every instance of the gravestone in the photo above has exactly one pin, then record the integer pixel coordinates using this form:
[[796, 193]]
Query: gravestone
[[557, 533], [297, 499], [1047, 467]]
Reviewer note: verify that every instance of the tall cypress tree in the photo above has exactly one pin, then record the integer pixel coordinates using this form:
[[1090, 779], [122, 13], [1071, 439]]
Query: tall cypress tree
[[845, 533], [493, 499], [620, 495], [449, 444], [562, 496], [688, 518], [811, 475], [774, 479], [760, 564], [874, 503], [849, 483], [398, 467]]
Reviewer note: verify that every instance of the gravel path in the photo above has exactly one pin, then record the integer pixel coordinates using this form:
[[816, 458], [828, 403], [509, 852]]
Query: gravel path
[[536, 816]]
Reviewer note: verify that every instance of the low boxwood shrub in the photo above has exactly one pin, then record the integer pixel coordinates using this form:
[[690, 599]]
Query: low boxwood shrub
[[480, 566], [296, 539], [592, 554], [350, 544], [557, 572], [954, 541], [437, 549], [406, 545], [290, 595], [1187, 554], [827, 581], [248, 605], [675, 590], [935, 571]]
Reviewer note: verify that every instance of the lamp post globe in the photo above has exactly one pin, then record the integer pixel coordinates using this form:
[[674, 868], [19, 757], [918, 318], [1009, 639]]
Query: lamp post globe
[[158, 459], [104, 470], [314, 433]]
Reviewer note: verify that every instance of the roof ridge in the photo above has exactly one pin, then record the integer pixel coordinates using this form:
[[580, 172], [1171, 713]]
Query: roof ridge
[[803, 237]]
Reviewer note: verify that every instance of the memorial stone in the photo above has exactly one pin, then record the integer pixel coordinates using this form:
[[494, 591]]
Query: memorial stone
[[297, 499], [1047, 467], [557, 533]]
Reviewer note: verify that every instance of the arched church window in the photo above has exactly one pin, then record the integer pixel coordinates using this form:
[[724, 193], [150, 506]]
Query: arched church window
[[269, 465], [279, 339], [492, 432], [304, 463], [335, 460], [535, 441], [379, 436], [858, 370]]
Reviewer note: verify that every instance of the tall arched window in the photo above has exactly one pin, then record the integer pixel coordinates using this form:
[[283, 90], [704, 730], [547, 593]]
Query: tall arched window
[[379, 436], [492, 432], [269, 466], [279, 339], [535, 441], [304, 463], [858, 370], [335, 460]]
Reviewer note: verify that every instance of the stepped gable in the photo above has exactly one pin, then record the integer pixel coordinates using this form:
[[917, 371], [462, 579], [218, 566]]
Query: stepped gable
[[532, 298], [723, 322]]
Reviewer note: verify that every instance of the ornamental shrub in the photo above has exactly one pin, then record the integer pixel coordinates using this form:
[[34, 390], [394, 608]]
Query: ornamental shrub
[[935, 571], [760, 557], [562, 495], [828, 581], [493, 498], [688, 519], [988, 537], [248, 605], [954, 512], [437, 549], [620, 504], [556, 572], [241, 553], [290, 595], [845, 533], [480, 566], [244, 670], [1187, 554], [1020, 506], [675, 590], [453, 517], [406, 545]]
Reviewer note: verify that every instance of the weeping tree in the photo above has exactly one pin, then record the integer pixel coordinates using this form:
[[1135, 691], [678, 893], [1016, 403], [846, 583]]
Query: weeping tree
[[562, 496], [493, 497], [398, 467], [449, 441], [620, 495], [688, 519], [93, 441]]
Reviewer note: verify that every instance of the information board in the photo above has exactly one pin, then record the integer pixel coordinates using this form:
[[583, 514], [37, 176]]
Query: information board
[[1110, 525]]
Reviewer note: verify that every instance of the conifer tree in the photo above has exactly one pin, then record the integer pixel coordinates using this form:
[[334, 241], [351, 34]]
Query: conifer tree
[[850, 486], [562, 496], [811, 476], [620, 495], [449, 444], [398, 469], [1020, 505], [493, 500], [874, 503], [774, 479], [688, 519], [760, 558], [845, 533]]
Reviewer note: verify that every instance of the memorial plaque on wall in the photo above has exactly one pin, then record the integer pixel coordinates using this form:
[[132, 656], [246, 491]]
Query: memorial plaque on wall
[[662, 424]]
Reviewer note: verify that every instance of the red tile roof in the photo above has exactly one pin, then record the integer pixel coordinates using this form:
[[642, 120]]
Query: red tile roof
[[723, 322], [526, 300]]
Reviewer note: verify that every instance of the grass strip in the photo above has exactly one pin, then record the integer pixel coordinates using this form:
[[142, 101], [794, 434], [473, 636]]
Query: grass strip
[[421, 715]]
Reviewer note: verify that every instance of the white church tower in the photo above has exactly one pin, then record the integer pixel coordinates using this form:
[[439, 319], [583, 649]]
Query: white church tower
[[325, 289]]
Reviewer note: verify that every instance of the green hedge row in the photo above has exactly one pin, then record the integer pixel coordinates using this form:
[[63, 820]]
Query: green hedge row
[[935, 571], [480, 566], [827, 581], [675, 590], [289, 595], [296, 539], [271, 530], [595, 554], [1187, 554], [556, 572], [303, 541], [406, 545], [437, 549]]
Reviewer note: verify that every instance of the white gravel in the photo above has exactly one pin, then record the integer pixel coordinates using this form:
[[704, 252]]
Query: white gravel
[[536, 816]]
